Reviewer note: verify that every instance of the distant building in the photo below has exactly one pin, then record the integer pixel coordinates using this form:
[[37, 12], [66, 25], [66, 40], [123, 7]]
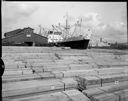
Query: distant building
[[24, 36], [98, 43]]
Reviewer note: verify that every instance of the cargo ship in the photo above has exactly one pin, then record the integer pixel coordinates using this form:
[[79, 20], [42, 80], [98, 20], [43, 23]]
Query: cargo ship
[[78, 39], [75, 42]]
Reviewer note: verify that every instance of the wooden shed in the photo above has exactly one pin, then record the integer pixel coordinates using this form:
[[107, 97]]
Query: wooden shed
[[24, 37]]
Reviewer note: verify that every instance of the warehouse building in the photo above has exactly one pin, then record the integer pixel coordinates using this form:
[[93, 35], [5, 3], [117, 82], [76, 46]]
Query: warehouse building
[[24, 37]]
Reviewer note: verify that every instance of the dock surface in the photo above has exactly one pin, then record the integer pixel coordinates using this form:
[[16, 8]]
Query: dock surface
[[64, 74]]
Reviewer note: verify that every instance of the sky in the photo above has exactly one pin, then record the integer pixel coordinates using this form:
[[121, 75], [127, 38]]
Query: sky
[[107, 19]]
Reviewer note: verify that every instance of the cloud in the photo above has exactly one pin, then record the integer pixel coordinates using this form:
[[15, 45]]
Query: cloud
[[13, 13], [111, 32], [124, 16]]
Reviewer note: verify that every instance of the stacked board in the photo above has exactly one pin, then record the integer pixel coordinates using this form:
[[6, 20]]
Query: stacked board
[[41, 71]]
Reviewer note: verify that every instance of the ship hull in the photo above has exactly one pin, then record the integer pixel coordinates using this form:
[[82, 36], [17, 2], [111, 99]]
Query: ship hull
[[76, 44]]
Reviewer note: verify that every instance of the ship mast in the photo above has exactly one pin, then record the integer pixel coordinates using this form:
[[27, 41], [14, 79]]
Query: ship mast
[[80, 25], [67, 26], [66, 23]]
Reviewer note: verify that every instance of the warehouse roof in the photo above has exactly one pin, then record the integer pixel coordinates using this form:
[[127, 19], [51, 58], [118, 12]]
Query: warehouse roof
[[15, 32]]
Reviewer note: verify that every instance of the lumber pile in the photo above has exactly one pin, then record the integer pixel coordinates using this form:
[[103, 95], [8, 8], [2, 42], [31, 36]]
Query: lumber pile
[[85, 82], [68, 95], [88, 82], [38, 72], [24, 77], [116, 92], [36, 86]]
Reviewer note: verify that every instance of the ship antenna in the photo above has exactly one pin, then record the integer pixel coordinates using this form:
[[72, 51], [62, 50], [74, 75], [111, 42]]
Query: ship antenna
[[67, 26], [80, 25], [67, 22]]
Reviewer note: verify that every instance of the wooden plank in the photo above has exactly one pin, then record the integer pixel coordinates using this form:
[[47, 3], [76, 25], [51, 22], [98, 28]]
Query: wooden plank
[[38, 69], [106, 97], [72, 73], [92, 92], [75, 95], [11, 66], [115, 87], [56, 96], [15, 78], [80, 66], [39, 60], [28, 87], [123, 94], [58, 74], [18, 72], [108, 71], [113, 78], [56, 68], [69, 83], [12, 78], [27, 71], [85, 82]]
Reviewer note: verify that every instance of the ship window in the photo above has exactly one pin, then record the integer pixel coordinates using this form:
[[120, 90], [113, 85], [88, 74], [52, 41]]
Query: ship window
[[28, 35]]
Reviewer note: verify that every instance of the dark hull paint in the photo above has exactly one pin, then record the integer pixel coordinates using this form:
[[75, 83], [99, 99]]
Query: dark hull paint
[[77, 44]]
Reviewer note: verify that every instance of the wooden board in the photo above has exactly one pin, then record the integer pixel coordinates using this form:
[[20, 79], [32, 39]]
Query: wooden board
[[85, 82], [12, 78], [69, 83], [113, 78], [75, 95], [92, 92], [56, 68], [8, 73], [115, 87], [72, 73], [123, 94], [108, 71], [106, 97], [33, 86]]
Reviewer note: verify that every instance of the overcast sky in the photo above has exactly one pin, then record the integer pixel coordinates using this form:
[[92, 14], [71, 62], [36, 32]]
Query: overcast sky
[[107, 19]]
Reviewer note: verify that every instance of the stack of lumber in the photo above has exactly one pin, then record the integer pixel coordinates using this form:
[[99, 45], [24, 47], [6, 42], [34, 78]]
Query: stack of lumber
[[38, 70], [73, 73], [37, 86], [68, 95], [92, 72], [107, 75], [112, 70], [88, 82], [108, 93], [113, 79], [85, 82], [24, 77]]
